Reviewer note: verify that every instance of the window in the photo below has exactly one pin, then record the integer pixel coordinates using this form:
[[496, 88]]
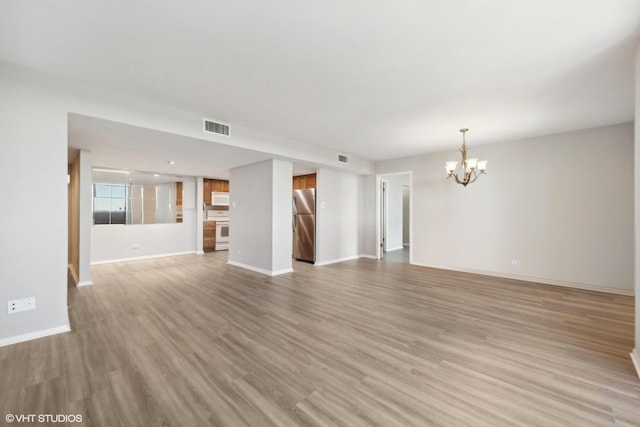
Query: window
[[110, 204]]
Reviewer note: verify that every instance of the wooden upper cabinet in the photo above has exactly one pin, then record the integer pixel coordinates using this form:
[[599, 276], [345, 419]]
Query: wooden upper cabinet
[[206, 197], [220, 185], [310, 180], [179, 193], [301, 182], [211, 185]]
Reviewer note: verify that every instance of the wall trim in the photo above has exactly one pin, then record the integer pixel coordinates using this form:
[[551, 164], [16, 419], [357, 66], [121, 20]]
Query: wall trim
[[397, 248], [260, 270], [74, 275], [334, 261], [109, 261], [635, 358], [34, 335], [367, 256], [84, 283], [553, 282]]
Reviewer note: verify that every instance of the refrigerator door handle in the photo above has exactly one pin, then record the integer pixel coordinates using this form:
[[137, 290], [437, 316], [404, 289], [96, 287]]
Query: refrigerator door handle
[[295, 211]]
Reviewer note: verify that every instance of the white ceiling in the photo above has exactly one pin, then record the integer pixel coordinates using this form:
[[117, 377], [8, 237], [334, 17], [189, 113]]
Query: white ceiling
[[378, 79]]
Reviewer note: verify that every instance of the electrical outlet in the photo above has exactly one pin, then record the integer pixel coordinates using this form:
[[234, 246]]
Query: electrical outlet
[[136, 246], [14, 306], [515, 262], [23, 304]]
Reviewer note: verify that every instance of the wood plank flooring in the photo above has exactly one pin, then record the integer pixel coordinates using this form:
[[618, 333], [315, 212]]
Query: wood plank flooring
[[191, 341]]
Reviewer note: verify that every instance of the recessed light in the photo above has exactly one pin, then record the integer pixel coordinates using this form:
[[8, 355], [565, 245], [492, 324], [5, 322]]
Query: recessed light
[[155, 174], [171, 162]]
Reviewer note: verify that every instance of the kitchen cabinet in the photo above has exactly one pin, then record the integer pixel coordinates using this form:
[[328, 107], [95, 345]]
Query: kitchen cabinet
[[220, 185], [210, 185], [179, 201], [178, 193], [207, 191], [209, 228], [209, 236], [302, 182]]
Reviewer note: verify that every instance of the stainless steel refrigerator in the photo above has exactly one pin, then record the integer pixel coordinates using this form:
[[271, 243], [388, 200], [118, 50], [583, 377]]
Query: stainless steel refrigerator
[[304, 224]]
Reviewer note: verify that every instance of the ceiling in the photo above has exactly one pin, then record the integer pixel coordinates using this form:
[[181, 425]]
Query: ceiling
[[376, 79], [144, 152]]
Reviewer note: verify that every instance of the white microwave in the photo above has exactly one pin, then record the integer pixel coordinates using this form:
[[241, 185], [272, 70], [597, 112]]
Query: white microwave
[[219, 198]]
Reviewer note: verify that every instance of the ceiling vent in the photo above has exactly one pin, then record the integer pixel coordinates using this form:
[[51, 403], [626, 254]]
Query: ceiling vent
[[343, 158], [217, 128]]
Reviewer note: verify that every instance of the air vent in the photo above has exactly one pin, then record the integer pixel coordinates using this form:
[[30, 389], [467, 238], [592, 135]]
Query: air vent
[[343, 158], [217, 128]]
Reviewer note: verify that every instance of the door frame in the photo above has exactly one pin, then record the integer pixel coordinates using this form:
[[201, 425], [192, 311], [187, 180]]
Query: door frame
[[382, 212]]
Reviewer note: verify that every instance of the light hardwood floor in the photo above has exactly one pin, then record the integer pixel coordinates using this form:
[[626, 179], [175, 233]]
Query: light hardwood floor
[[189, 340]]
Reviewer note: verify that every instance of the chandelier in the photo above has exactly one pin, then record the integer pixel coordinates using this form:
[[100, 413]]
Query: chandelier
[[472, 168]]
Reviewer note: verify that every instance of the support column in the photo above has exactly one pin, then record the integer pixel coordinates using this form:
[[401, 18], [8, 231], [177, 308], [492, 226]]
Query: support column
[[260, 217], [85, 219]]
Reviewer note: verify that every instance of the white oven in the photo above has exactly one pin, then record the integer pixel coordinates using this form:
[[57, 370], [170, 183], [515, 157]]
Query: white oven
[[222, 236], [221, 217]]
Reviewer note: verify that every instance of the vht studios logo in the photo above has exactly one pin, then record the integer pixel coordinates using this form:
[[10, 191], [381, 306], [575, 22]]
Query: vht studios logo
[[43, 418]]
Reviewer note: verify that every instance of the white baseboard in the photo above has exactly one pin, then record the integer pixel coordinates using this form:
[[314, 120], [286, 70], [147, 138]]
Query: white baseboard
[[635, 358], [333, 261], [397, 248], [260, 270], [84, 283], [109, 261], [534, 279], [199, 252], [74, 275], [33, 335], [367, 256]]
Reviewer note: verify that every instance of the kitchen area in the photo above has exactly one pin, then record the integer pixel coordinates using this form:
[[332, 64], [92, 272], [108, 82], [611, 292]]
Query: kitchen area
[[215, 236], [216, 216], [304, 217]]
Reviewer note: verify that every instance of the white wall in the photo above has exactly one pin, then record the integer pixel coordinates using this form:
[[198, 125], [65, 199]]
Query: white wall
[[406, 217], [636, 352], [337, 222], [250, 216], [561, 204], [111, 243], [199, 203], [33, 225], [282, 217], [260, 216], [85, 218]]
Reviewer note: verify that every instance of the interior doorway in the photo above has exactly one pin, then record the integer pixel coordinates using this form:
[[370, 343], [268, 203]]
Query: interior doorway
[[394, 216]]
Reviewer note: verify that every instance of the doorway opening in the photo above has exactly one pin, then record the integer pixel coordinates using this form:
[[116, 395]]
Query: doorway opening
[[394, 217]]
